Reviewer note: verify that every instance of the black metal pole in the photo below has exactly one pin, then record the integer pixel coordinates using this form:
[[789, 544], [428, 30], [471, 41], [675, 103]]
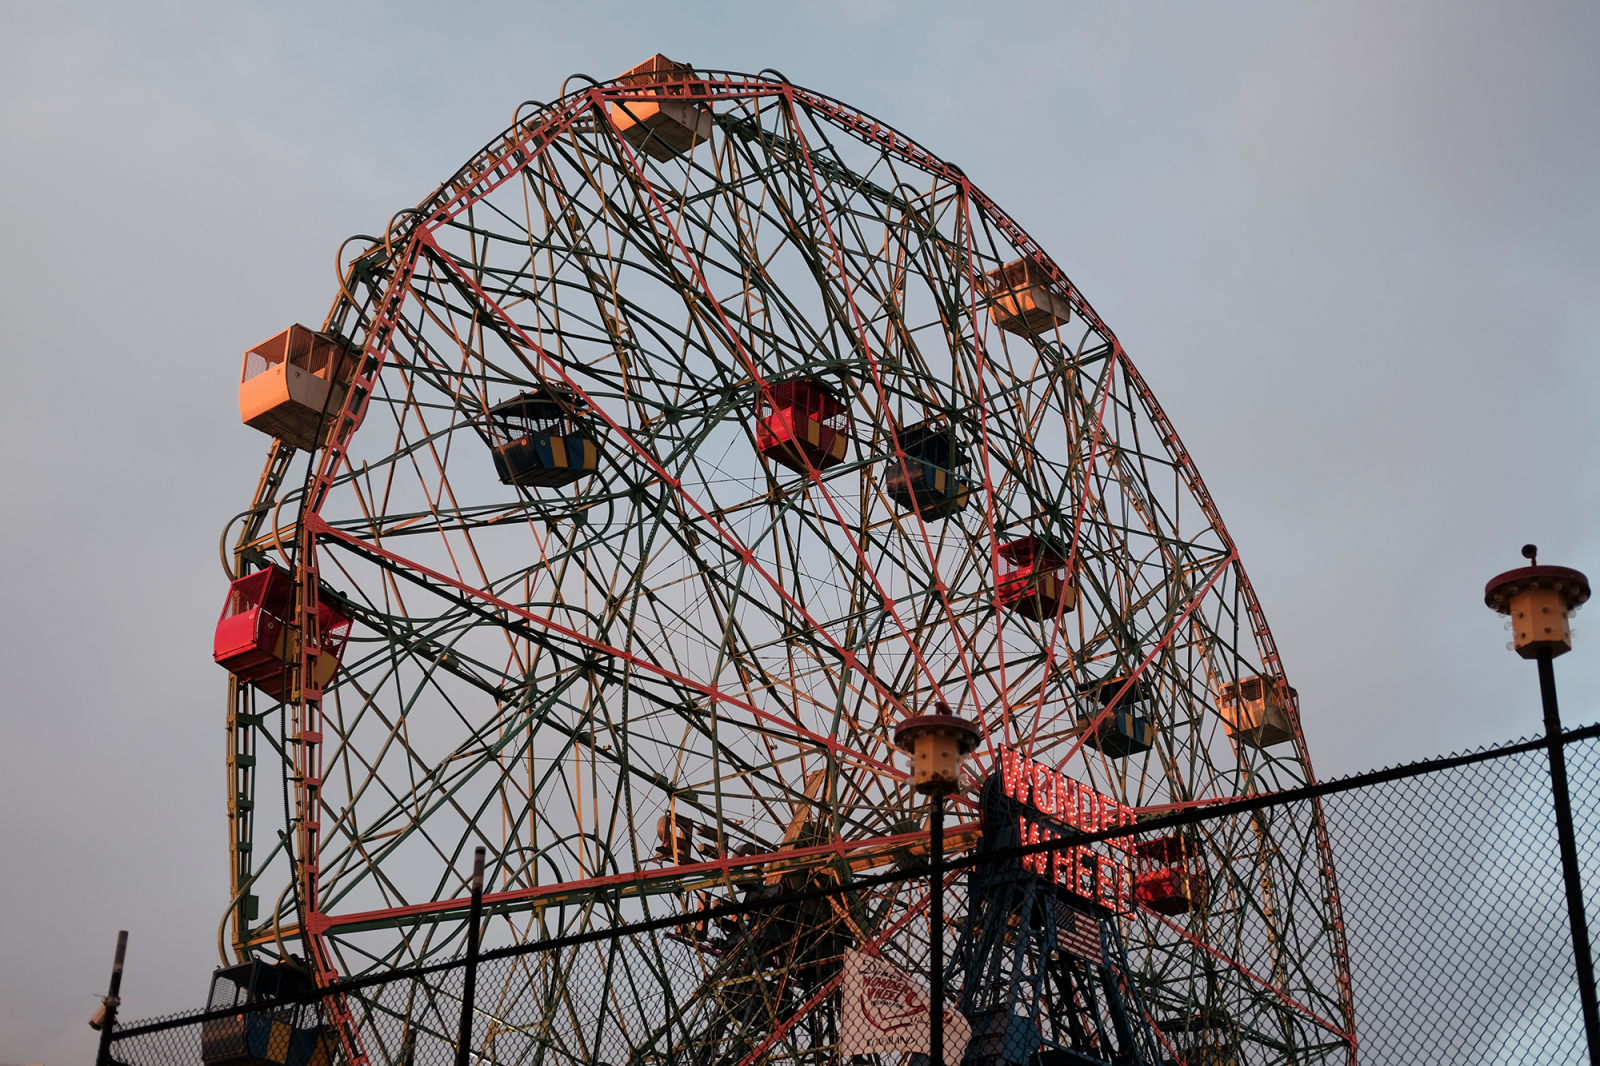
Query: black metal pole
[[470, 982], [936, 932], [1569, 856], [109, 1021]]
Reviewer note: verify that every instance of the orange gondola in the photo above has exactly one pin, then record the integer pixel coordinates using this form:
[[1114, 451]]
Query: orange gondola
[[289, 382], [1255, 710], [1023, 301], [672, 121]]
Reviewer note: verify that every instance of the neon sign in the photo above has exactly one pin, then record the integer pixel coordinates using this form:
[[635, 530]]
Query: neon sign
[[1036, 803]]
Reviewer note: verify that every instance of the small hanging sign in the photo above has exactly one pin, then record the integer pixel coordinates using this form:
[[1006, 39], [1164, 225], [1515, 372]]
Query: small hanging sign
[[885, 1011]]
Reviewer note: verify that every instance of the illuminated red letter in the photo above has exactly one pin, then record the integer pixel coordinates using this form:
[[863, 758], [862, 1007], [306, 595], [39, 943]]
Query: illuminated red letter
[[1044, 793], [1012, 769]]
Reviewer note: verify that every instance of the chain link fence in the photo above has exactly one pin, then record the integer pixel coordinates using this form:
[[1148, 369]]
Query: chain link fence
[[1456, 911], [1454, 926]]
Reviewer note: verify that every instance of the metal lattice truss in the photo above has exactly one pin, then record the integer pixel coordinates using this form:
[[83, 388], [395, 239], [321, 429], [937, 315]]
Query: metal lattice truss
[[677, 676]]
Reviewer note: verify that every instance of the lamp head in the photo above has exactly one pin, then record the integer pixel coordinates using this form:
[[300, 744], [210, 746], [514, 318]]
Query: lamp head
[[937, 743], [1539, 600]]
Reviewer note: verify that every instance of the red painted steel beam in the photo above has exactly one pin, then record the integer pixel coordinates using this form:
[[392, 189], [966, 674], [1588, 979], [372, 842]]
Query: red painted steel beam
[[1133, 675], [1096, 433], [1240, 968], [888, 601], [841, 849], [746, 555], [317, 525], [940, 588], [308, 758]]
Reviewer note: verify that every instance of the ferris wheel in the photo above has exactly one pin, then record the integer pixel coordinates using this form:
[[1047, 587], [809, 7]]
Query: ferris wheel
[[639, 481]]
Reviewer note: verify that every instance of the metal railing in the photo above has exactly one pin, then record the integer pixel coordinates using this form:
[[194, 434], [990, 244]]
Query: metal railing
[[1450, 871]]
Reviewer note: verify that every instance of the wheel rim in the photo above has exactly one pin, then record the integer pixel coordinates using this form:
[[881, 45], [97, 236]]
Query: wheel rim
[[695, 631]]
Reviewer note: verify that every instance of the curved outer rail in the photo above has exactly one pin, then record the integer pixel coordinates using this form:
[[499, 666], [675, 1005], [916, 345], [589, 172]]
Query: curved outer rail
[[502, 160]]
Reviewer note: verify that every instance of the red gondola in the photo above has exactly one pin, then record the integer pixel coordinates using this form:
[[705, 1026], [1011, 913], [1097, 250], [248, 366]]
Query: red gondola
[[802, 424], [1169, 875], [1033, 579], [255, 642]]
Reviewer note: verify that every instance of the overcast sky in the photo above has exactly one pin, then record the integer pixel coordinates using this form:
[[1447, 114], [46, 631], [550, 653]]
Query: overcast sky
[[1354, 248]]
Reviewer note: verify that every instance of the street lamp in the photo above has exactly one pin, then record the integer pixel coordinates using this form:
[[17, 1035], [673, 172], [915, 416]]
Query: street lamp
[[938, 744], [1539, 600]]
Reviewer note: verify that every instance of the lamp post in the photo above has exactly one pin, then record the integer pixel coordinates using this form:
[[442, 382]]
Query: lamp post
[[1539, 600], [938, 744]]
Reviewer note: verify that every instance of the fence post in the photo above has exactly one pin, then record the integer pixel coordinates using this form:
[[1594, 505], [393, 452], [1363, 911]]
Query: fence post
[[1569, 855], [469, 983], [108, 1020], [936, 931]]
